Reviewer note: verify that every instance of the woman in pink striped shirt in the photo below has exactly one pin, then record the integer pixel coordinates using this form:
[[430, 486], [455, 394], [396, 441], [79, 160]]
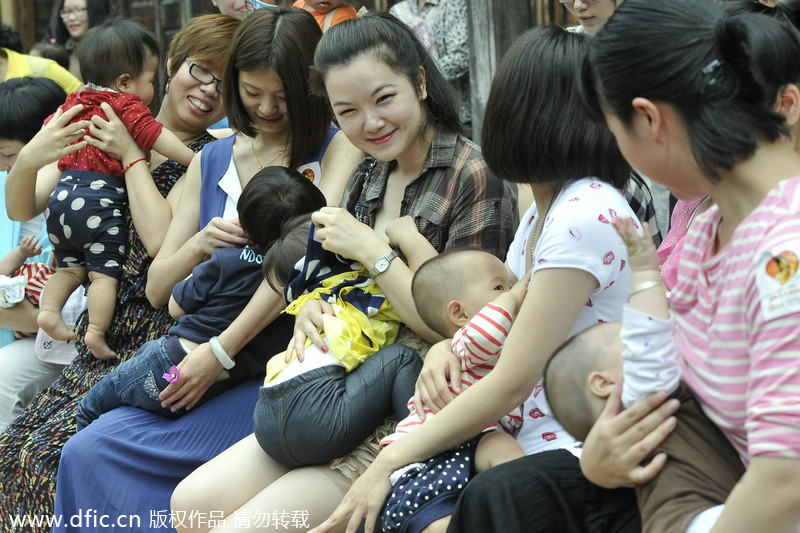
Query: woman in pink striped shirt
[[689, 93]]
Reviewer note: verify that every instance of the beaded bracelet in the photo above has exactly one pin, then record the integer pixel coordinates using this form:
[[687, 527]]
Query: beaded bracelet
[[643, 287], [129, 165], [220, 353]]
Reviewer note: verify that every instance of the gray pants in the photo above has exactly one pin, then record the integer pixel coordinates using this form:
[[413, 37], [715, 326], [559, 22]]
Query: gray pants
[[325, 413]]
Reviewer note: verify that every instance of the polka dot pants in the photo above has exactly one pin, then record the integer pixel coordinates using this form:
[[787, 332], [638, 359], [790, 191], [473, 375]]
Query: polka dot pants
[[85, 221], [428, 491]]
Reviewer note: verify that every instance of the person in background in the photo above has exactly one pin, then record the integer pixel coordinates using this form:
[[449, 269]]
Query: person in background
[[48, 49], [443, 26], [70, 20], [14, 64], [327, 13], [10, 39], [232, 8]]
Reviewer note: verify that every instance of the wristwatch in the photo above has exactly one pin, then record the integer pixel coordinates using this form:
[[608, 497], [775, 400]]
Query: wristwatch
[[382, 263]]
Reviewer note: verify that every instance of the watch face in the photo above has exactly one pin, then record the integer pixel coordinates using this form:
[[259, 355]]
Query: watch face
[[381, 264]]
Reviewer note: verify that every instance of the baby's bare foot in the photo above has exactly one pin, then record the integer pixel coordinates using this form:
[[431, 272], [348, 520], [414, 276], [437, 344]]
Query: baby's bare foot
[[97, 344], [52, 324]]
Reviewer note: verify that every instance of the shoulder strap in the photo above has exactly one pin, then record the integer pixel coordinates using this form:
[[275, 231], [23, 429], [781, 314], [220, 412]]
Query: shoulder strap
[[328, 20]]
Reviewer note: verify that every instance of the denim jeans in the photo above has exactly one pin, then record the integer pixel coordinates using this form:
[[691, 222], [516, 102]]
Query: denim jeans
[[137, 382], [325, 413]]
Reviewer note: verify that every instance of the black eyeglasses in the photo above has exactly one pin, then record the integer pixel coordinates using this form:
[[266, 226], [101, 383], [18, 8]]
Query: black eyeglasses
[[202, 75], [77, 13]]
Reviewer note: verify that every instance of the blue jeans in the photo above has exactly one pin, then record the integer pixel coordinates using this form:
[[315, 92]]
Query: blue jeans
[[325, 413], [137, 382]]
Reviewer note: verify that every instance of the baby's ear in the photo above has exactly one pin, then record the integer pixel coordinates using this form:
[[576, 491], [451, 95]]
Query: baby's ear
[[456, 313], [601, 383], [122, 82]]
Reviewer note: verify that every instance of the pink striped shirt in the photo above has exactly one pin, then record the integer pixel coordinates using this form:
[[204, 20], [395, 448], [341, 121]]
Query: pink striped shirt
[[478, 346], [738, 316]]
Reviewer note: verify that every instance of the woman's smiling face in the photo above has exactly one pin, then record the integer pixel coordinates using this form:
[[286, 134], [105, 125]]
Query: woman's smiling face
[[75, 17], [378, 109], [263, 96]]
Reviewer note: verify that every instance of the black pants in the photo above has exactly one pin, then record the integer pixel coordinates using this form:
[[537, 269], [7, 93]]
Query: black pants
[[543, 493]]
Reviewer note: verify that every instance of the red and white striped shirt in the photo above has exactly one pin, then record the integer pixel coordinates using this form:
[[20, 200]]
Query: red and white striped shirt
[[36, 275], [477, 345], [738, 316]]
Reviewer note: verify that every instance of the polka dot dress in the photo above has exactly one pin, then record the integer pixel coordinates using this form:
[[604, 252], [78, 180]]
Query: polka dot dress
[[428, 491], [85, 222]]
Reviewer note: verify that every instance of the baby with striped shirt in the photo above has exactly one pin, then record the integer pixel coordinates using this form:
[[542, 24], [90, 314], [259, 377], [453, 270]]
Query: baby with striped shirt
[[464, 294]]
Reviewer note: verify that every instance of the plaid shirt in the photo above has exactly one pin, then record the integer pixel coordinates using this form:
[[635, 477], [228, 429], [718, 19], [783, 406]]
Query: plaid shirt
[[639, 197], [455, 200]]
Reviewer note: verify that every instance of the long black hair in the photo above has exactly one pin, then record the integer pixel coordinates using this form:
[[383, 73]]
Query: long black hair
[[97, 10], [395, 44], [281, 40]]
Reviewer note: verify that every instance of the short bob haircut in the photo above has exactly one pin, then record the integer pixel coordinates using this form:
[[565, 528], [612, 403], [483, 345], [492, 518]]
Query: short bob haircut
[[533, 131], [720, 73], [396, 45], [203, 39], [98, 11], [281, 40], [24, 105], [273, 195], [114, 48]]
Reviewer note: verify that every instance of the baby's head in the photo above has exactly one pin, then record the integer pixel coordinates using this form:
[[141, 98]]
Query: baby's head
[[581, 375], [449, 289], [323, 6], [271, 197], [289, 248], [121, 55]]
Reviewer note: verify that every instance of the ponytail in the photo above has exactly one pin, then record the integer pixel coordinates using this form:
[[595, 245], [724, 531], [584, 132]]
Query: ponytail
[[721, 73]]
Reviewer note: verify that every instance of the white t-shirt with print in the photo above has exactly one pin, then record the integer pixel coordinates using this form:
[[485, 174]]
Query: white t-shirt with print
[[577, 234]]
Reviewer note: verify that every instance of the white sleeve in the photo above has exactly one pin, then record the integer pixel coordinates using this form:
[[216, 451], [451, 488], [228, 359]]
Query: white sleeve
[[650, 358]]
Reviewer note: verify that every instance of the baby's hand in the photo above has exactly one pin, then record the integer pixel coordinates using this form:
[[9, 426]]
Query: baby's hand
[[400, 229], [520, 289], [29, 247], [642, 253]]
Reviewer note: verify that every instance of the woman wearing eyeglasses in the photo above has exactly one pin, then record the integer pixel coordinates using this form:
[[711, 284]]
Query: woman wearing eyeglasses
[[188, 109], [71, 19], [591, 14]]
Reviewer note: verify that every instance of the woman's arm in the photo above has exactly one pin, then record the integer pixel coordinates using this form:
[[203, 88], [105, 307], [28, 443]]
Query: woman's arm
[[150, 211], [21, 317], [35, 172], [337, 164], [766, 498], [200, 368], [184, 247], [340, 232], [554, 301]]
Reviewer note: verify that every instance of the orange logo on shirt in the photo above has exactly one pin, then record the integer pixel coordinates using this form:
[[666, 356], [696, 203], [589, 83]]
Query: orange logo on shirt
[[309, 174], [782, 267]]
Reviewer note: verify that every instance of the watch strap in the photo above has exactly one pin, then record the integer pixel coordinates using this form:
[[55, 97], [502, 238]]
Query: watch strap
[[388, 258]]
